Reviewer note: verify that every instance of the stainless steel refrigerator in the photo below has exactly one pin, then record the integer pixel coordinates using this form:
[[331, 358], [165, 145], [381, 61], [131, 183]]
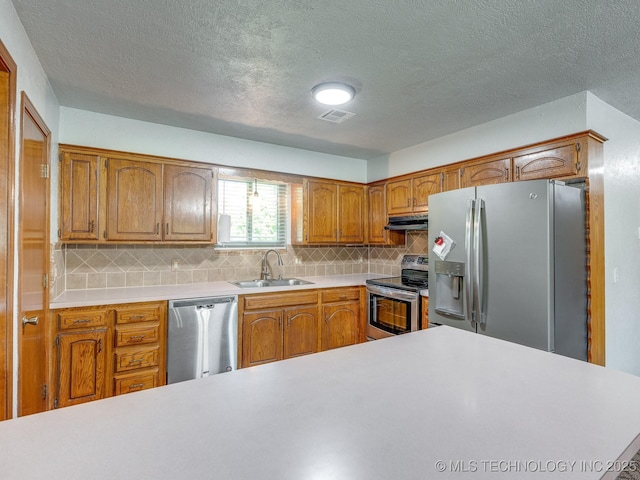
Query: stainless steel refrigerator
[[516, 268]]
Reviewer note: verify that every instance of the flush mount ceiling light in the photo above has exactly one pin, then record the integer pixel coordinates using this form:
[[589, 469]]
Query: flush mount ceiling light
[[333, 93]]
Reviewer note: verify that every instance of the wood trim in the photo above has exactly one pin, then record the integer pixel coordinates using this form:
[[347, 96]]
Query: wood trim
[[7, 222], [596, 252]]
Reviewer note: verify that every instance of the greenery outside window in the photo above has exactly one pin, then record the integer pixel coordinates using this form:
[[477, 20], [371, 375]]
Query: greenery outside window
[[257, 211]]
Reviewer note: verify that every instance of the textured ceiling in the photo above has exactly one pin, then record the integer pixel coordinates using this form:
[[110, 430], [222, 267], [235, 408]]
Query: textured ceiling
[[421, 68]]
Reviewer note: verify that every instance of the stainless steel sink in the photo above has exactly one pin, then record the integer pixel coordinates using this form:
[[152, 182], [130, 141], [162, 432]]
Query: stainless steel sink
[[276, 282]]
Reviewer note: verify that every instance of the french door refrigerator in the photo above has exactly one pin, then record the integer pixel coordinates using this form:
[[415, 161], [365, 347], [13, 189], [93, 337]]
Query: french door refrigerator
[[517, 264]]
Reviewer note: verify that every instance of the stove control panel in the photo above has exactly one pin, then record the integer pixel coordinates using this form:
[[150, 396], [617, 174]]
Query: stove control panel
[[415, 262]]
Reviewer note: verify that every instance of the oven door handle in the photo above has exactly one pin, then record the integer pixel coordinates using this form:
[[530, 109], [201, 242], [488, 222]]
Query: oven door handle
[[393, 293]]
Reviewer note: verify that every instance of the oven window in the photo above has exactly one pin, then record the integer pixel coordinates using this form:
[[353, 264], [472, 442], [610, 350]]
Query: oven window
[[391, 315]]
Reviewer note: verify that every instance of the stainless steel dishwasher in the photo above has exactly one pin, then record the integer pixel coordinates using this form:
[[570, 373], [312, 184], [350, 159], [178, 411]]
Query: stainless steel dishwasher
[[203, 337]]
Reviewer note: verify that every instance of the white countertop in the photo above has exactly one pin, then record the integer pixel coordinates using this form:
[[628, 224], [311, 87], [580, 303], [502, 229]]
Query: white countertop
[[392, 408], [105, 296]]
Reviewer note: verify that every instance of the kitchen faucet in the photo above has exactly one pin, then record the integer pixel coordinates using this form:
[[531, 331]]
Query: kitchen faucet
[[265, 266]]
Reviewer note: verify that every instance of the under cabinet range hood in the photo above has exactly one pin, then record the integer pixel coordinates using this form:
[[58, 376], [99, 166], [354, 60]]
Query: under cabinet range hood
[[409, 222]]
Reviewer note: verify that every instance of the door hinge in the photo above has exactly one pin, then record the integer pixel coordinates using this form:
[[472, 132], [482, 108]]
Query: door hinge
[[44, 391], [59, 233], [45, 281], [577, 147], [57, 341], [55, 403], [44, 170]]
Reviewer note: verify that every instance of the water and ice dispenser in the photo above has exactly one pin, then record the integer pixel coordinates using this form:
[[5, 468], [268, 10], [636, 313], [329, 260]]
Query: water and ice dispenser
[[449, 286]]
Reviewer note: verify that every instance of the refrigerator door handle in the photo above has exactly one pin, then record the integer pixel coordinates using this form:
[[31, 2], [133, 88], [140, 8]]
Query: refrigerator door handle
[[468, 270], [478, 235]]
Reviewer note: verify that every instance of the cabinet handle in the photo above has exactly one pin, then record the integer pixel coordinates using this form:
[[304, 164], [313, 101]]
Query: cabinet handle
[[136, 385], [134, 362], [136, 317], [29, 321], [517, 173], [167, 230], [81, 320], [136, 337], [99, 345], [288, 320], [506, 174], [92, 226]]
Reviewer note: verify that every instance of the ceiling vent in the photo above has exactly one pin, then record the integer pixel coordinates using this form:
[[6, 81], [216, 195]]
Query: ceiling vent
[[336, 116]]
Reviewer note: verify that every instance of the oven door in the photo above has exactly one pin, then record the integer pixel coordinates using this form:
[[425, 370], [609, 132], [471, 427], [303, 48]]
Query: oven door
[[391, 311]]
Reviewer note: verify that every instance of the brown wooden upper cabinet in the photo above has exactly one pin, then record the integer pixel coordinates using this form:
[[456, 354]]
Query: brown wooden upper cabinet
[[79, 196], [377, 210], [132, 200], [412, 195], [450, 179], [187, 203], [333, 213], [486, 173], [561, 161]]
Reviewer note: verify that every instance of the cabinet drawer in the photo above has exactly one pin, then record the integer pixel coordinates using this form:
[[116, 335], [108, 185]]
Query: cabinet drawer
[[138, 314], [272, 300], [130, 359], [340, 295], [145, 333], [82, 319], [135, 382]]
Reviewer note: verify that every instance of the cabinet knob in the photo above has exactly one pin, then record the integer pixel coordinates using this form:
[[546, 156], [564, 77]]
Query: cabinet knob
[[29, 321]]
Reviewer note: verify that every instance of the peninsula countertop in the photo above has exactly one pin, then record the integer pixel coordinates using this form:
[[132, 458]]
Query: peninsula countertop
[[429, 404], [105, 296]]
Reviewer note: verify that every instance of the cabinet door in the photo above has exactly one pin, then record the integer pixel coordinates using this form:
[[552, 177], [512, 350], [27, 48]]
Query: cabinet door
[[399, 197], [351, 214], [377, 215], [81, 367], [340, 324], [487, 173], [134, 200], [261, 337], [450, 179], [555, 162], [79, 197], [300, 331], [422, 187], [322, 209], [187, 203]]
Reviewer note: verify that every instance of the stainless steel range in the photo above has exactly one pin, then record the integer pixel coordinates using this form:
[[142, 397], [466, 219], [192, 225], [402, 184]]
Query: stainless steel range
[[394, 302]]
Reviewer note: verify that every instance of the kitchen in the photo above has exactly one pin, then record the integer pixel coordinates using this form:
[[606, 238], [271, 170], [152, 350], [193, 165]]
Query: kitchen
[[570, 114]]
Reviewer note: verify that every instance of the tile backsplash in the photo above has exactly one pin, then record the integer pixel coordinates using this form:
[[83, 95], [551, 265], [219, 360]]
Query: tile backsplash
[[79, 267]]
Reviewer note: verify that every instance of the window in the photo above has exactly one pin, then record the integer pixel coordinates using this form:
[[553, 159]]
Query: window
[[256, 220]]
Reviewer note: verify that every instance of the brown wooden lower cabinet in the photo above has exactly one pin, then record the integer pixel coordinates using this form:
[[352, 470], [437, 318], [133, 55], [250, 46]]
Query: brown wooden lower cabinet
[[81, 366], [109, 350], [271, 334], [277, 326], [425, 312], [342, 314]]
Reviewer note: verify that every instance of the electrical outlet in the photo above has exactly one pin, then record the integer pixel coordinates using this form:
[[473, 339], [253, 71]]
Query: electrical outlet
[[175, 264]]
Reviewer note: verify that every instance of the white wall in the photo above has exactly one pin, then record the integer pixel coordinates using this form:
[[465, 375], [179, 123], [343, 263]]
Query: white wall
[[80, 127], [622, 232], [32, 80], [561, 117]]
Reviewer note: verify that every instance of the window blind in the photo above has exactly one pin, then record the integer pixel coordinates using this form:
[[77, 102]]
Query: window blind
[[256, 220]]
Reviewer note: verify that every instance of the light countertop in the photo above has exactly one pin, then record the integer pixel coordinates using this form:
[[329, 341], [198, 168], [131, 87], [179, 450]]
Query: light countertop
[[414, 406], [105, 296]]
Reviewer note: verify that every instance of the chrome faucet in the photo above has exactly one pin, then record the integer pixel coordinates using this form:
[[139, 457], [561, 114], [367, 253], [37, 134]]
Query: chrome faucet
[[265, 266]]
